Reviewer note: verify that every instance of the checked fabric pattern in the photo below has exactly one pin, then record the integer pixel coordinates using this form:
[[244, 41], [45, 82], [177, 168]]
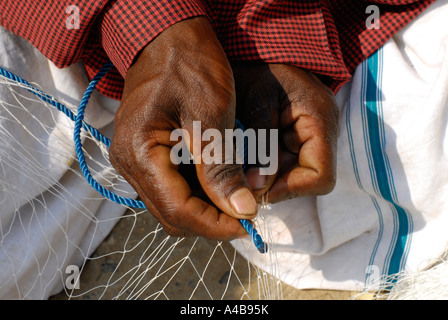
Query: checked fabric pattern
[[329, 38]]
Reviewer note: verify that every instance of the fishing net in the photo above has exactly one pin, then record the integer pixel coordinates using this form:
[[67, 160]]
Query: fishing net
[[56, 229]]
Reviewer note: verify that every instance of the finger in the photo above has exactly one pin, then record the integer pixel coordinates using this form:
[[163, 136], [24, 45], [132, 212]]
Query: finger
[[263, 148], [289, 140], [262, 144], [220, 173], [168, 196], [259, 182], [219, 168], [314, 172]]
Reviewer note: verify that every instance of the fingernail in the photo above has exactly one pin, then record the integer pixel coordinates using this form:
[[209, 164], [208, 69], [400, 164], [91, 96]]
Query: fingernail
[[258, 182], [255, 179], [243, 202]]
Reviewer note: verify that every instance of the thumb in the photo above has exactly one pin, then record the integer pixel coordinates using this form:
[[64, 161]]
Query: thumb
[[219, 168]]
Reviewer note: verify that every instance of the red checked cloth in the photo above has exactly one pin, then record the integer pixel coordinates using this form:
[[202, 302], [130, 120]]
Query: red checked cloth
[[329, 38]]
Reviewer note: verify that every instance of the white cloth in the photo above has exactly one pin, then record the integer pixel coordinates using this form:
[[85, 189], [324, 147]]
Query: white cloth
[[389, 210]]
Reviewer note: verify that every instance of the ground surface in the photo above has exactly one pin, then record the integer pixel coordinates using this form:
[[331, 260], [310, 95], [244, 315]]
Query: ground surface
[[134, 262]]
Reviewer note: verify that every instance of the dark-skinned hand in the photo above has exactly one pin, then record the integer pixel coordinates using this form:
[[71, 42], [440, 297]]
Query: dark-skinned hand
[[184, 76], [294, 101]]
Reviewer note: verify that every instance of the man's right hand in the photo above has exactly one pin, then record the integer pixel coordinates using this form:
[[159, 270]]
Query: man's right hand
[[181, 76]]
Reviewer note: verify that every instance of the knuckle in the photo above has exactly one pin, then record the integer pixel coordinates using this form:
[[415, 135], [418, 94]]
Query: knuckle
[[173, 215], [116, 152], [174, 232], [222, 172], [326, 183], [172, 220]]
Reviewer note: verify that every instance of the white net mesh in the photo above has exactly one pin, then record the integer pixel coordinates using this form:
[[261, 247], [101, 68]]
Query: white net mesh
[[144, 263], [52, 222]]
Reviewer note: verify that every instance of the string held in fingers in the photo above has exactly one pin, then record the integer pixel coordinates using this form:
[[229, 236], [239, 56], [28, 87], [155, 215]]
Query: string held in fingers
[[258, 241]]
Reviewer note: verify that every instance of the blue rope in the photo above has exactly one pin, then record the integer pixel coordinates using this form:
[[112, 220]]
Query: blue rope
[[49, 99], [79, 122], [258, 241], [80, 154]]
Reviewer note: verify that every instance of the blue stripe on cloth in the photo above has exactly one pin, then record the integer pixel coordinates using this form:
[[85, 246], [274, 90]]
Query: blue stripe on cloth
[[381, 169], [368, 280]]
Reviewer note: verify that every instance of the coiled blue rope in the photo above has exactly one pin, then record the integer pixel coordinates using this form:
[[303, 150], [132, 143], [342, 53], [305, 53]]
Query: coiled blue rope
[[79, 122], [78, 146]]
